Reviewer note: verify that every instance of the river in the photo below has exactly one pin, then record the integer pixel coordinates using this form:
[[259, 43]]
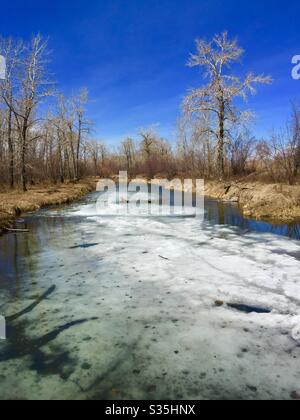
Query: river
[[150, 308]]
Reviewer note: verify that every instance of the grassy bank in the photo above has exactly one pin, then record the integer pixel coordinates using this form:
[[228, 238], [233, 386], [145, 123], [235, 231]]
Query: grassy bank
[[276, 203], [14, 203]]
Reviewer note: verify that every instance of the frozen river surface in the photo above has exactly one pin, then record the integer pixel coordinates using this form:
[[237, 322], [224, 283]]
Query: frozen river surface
[[149, 308]]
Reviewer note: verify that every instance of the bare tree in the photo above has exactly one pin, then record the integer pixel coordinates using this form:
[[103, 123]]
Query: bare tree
[[12, 52], [241, 148], [128, 149], [98, 152], [147, 145], [196, 147], [32, 88], [285, 147], [217, 97], [82, 125], [296, 139], [72, 126], [36, 146]]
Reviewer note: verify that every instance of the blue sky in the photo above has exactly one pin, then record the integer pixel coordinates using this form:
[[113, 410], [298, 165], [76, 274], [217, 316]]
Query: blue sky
[[131, 54]]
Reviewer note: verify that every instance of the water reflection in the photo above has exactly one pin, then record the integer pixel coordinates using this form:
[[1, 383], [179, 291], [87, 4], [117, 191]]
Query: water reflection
[[222, 213], [19, 265], [20, 253], [229, 214], [126, 308]]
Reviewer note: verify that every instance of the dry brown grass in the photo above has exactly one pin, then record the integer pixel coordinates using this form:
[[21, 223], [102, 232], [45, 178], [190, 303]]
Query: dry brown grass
[[278, 203], [274, 203], [14, 203]]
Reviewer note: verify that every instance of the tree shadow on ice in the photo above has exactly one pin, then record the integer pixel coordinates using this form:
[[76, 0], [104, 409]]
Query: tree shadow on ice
[[20, 345]]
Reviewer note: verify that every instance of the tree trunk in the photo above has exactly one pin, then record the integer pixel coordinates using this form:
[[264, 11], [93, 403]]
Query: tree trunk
[[67, 162], [297, 156], [73, 159], [11, 150], [61, 166], [296, 141], [78, 150], [221, 142], [23, 158]]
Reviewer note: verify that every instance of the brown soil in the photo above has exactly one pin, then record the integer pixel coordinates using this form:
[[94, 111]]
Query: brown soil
[[277, 203], [14, 203]]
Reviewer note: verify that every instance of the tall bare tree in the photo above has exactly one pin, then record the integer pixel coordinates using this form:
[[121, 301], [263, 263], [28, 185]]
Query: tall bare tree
[[218, 95], [33, 86], [147, 149], [296, 139], [241, 149], [12, 52], [82, 125], [128, 150]]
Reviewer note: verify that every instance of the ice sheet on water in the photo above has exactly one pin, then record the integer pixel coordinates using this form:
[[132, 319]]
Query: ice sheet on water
[[135, 205], [153, 285], [251, 261]]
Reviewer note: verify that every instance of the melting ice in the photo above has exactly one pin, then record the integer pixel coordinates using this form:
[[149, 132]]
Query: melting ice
[[139, 308]]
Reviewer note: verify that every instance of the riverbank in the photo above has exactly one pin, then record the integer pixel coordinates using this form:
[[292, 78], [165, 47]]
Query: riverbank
[[273, 203], [276, 203], [14, 203], [149, 303]]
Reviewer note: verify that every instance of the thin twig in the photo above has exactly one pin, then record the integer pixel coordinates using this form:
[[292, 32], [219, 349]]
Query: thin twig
[[17, 230]]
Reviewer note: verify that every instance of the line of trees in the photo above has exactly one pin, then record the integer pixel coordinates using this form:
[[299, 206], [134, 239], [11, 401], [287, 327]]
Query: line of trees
[[45, 136], [195, 155]]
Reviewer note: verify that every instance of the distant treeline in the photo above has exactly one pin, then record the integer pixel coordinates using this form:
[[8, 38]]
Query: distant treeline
[[45, 136]]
